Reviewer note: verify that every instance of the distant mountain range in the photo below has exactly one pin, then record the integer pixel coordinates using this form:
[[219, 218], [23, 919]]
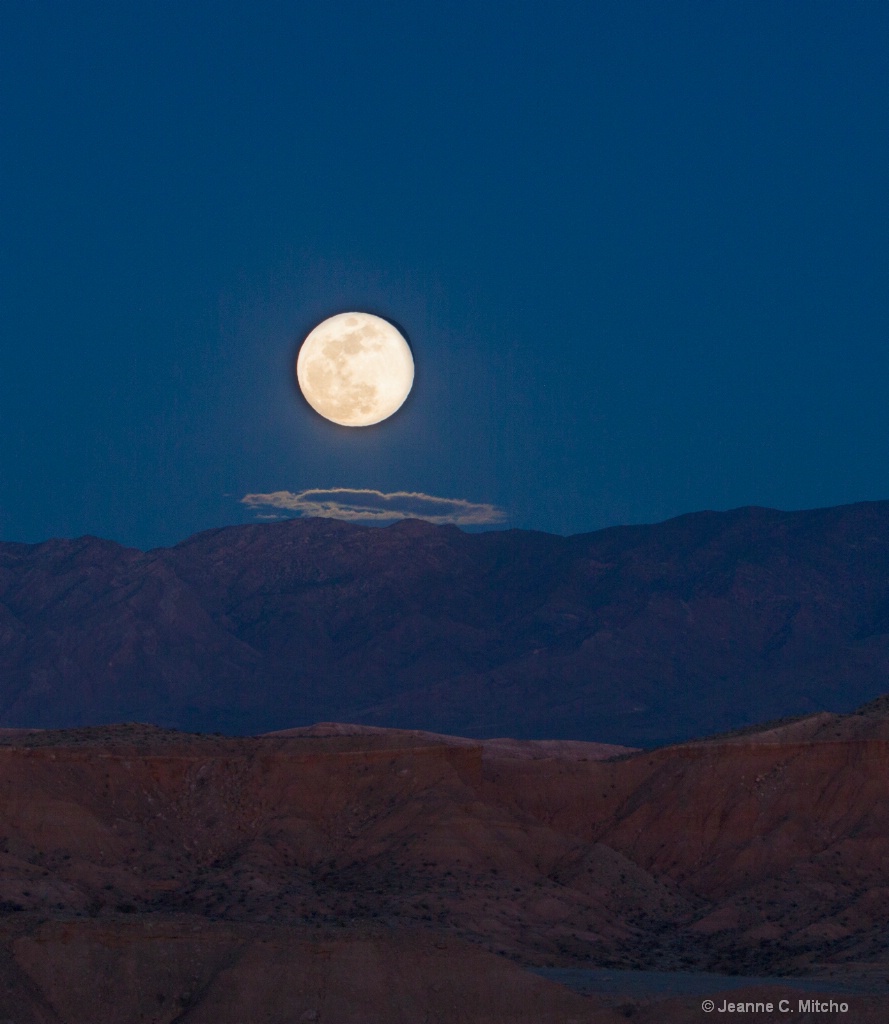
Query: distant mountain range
[[637, 635]]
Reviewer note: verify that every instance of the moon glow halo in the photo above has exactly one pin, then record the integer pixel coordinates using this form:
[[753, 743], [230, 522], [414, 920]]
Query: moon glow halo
[[355, 369]]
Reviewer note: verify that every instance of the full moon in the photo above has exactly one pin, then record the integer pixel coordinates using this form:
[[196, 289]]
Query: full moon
[[355, 369]]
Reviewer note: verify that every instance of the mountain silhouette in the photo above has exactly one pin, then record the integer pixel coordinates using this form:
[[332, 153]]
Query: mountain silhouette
[[638, 635]]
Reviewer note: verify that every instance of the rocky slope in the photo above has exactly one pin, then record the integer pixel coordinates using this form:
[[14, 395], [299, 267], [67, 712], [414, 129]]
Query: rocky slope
[[346, 873], [635, 635], [179, 969]]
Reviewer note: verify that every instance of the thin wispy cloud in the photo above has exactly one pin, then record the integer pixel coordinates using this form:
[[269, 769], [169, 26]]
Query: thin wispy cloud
[[360, 505]]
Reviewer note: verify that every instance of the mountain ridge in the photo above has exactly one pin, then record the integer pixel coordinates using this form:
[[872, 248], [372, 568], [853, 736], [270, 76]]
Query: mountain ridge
[[634, 635]]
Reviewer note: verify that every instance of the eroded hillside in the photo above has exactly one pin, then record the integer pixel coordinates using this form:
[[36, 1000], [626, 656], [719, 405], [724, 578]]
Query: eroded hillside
[[761, 853]]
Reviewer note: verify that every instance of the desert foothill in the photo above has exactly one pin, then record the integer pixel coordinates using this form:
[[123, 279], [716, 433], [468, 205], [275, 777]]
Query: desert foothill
[[354, 875]]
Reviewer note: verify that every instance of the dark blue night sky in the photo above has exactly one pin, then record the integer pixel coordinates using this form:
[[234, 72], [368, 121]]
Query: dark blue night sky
[[640, 250]]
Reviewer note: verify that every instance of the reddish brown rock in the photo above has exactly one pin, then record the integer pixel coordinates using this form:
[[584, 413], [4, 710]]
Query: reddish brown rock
[[129, 851], [178, 969]]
